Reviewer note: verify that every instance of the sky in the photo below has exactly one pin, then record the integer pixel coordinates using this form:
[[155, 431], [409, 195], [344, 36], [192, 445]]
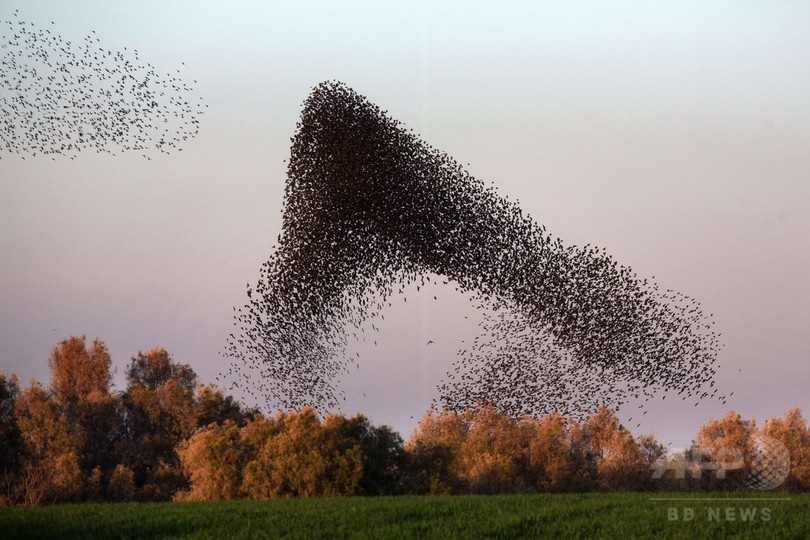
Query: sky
[[674, 134]]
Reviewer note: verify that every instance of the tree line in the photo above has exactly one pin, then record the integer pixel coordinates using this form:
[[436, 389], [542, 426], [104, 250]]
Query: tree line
[[167, 436]]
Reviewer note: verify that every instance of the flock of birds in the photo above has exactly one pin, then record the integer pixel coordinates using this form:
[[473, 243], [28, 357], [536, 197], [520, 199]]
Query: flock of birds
[[369, 207], [58, 97]]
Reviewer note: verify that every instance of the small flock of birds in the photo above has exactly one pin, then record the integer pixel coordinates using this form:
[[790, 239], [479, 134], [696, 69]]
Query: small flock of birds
[[370, 207], [58, 98]]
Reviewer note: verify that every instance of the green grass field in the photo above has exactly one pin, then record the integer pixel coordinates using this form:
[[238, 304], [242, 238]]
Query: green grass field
[[593, 515]]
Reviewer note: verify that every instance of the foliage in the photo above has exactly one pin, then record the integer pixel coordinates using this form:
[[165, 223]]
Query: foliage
[[792, 430], [549, 461], [50, 460], [304, 458], [159, 406], [11, 445], [79, 440], [726, 441], [79, 373], [168, 436], [433, 451], [212, 460]]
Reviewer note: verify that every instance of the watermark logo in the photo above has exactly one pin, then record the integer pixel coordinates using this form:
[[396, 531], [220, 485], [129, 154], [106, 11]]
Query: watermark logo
[[768, 469], [770, 465]]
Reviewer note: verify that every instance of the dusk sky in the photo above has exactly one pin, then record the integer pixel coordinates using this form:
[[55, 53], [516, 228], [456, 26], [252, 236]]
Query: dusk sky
[[674, 134]]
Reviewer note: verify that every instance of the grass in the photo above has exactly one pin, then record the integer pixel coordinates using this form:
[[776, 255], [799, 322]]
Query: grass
[[591, 515]]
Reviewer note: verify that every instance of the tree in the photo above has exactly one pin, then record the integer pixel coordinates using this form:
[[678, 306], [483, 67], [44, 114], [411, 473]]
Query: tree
[[383, 460], [303, 458], [10, 440], [490, 455], [726, 445], [99, 425], [50, 461], [80, 384], [156, 367], [213, 407], [79, 373], [548, 453], [77, 440], [617, 458], [164, 406], [212, 461], [160, 411], [381, 450], [11, 445], [792, 430], [121, 485], [432, 451], [652, 451]]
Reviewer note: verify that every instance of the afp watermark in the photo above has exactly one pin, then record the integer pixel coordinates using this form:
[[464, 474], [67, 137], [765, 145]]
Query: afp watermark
[[768, 468]]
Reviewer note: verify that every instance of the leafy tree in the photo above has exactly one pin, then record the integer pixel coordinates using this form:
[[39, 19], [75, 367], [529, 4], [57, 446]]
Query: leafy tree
[[9, 432], [167, 436], [728, 444], [550, 464], [651, 449], [303, 459], [258, 429], [792, 430], [122, 484], [11, 444], [651, 452], [154, 369], [80, 384], [160, 411], [380, 447], [50, 463], [490, 456], [79, 373], [77, 440], [617, 458], [429, 469], [432, 464], [212, 461], [213, 407], [383, 460]]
